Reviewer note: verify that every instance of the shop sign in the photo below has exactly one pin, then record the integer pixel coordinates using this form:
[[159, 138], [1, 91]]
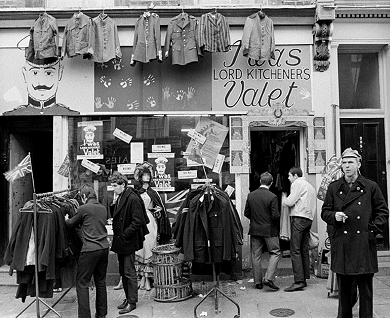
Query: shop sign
[[90, 165], [90, 137], [161, 148], [122, 135], [187, 174], [163, 167], [126, 168], [242, 84]]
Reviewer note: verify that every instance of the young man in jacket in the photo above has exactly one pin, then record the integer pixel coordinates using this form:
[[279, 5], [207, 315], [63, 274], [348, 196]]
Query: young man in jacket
[[302, 202], [356, 209], [262, 210], [129, 221], [91, 217]]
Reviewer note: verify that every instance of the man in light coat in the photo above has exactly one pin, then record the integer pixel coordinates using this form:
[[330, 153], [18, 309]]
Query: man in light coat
[[302, 203], [356, 209]]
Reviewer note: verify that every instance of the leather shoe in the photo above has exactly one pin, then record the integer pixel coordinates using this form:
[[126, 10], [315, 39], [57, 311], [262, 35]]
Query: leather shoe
[[259, 286], [129, 307], [295, 287], [270, 284], [122, 305]]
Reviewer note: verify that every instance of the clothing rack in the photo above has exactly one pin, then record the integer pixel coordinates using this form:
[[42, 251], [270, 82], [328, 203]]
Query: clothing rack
[[207, 187], [37, 299]]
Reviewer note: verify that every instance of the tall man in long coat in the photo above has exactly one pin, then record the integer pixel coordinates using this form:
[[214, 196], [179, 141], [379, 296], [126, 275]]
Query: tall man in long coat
[[356, 209], [129, 227]]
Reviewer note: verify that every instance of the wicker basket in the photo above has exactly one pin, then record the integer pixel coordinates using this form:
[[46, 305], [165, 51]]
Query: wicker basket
[[167, 274], [175, 292], [166, 254]]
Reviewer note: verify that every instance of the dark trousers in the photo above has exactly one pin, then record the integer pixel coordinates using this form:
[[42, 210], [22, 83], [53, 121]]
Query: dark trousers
[[346, 290], [92, 263], [299, 248], [129, 276]]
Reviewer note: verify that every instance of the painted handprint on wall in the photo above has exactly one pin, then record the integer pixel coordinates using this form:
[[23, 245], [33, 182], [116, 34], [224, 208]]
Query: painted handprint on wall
[[180, 95], [105, 82], [117, 63], [305, 93], [166, 93], [190, 92], [126, 83], [132, 105], [111, 102], [98, 102], [149, 80], [151, 102]]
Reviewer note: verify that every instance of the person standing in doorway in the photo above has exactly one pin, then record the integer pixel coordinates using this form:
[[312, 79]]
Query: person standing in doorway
[[356, 209], [129, 225], [302, 203], [262, 210], [93, 261]]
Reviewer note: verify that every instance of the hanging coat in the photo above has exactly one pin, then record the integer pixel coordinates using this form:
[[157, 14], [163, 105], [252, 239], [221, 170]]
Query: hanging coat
[[106, 39], [258, 41], [147, 39], [44, 38], [78, 36], [354, 248], [214, 33], [181, 34]]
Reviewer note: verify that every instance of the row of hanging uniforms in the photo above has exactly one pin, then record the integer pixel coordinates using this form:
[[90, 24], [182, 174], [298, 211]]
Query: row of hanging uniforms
[[208, 229], [58, 247], [95, 39]]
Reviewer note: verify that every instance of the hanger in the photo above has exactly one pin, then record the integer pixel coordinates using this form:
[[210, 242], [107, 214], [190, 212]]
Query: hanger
[[261, 13], [214, 12], [103, 15], [18, 44], [40, 209]]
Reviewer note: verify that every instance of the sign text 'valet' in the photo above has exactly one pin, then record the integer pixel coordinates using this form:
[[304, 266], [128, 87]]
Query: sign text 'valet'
[[244, 84]]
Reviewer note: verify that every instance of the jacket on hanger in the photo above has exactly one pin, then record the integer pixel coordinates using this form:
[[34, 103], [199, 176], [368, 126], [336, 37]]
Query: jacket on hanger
[[258, 41], [106, 39], [44, 38], [214, 33], [78, 36], [147, 39], [181, 35]]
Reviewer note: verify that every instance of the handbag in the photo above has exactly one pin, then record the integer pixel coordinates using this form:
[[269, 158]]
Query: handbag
[[314, 240]]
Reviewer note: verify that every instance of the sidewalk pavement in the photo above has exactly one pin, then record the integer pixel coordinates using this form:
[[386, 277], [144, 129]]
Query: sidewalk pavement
[[313, 302]]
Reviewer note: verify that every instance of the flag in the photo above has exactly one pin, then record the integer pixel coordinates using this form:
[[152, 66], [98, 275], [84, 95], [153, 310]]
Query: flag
[[20, 170], [65, 167]]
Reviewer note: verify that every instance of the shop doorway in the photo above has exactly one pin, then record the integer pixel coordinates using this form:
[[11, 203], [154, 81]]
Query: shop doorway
[[275, 151], [19, 137]]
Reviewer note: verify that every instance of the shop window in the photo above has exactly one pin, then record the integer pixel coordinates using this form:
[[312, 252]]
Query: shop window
[[359, 80], [112, 143]]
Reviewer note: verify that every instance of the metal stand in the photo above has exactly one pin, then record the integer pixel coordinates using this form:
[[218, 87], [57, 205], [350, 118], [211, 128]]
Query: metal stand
[[216, 290], [37, 300]]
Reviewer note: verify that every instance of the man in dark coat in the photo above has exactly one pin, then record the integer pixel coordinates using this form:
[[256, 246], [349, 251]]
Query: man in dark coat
[[357, 210], [92, 217], [262, 210], [129, 227]]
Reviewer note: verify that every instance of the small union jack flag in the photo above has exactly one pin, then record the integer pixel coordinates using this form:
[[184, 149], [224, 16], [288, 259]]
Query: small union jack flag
[[20, 170], [65, 167]]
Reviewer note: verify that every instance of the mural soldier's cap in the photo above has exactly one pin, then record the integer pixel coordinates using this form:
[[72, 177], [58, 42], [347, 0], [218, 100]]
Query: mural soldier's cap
[[351, 153], [42, 62]]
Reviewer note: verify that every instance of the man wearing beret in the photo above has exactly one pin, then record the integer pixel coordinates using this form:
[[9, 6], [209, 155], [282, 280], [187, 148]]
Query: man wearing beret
[[357, 210]]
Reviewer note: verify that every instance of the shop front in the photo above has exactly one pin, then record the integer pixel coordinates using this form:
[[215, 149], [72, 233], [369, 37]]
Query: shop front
[[223, 120]]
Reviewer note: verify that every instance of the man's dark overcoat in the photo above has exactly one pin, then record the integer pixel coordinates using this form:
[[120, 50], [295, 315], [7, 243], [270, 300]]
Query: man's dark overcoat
[[262, 210], [353, 249], [129, 221]]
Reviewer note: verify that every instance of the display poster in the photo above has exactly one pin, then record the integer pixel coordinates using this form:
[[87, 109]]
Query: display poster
[[137, 152], [163, 167], [206, 153], [90, 137]]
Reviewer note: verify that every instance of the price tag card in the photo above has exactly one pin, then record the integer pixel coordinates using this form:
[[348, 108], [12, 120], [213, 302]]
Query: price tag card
[[229, 190], [161, 154], [189, 174], [161, 148], [202, 180], [218, 163], [122, 135], [197, 136], [127, 168], [90, 165]]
